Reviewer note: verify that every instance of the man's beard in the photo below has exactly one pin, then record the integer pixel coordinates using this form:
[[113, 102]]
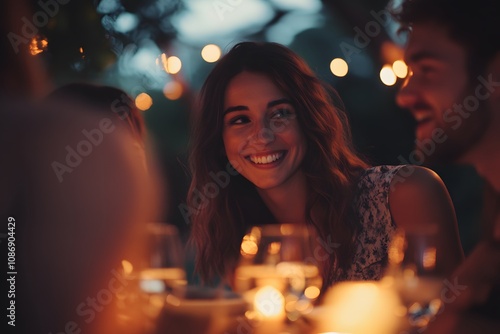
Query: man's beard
[[461, 140]]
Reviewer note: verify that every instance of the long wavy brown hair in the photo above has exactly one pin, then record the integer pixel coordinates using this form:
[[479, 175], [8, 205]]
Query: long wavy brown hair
[[220, 218]]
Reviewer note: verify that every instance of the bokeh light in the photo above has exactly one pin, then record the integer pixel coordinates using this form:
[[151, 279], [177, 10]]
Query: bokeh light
[[269, 302], [174, 65], [211, 53], [400, 69], [173, 90], [170, 64], [127, 267], [126, 22], [339, 67], [387, 75], [38, 45], [312, 292], [249, 248], [143, 101], [429, 258]]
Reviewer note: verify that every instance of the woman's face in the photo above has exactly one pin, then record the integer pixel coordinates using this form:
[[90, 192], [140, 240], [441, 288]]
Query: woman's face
[[261, 134]]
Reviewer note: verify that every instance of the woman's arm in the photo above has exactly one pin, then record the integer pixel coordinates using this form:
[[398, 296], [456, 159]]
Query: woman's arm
[[420, 200]]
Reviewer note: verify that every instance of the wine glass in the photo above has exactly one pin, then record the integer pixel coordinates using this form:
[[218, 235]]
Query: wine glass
[[163, 270], [151, 282], [417, 278], [277, 273]]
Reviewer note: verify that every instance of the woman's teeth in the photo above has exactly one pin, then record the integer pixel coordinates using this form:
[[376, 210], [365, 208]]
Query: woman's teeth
[[266, 159]]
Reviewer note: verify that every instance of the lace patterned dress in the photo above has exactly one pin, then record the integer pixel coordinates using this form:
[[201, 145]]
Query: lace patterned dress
[[371, 205]]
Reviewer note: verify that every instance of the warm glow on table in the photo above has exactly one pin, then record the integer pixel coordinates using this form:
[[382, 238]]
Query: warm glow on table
[[269, 302], [359, 308]]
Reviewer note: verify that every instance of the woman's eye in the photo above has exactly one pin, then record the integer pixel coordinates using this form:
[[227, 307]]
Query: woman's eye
[[281, 113], [238, 120]]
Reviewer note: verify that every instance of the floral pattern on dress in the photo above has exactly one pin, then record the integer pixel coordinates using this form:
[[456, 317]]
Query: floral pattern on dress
[[371, 205]]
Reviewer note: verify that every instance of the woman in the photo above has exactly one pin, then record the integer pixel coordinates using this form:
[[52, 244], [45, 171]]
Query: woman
[[264, 113]]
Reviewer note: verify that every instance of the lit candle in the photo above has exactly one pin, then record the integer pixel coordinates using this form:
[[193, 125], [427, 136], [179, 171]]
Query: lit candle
[[359, 307], [269, 305]]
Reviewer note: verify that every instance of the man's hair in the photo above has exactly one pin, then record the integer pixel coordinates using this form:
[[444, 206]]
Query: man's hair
[[472, 24]]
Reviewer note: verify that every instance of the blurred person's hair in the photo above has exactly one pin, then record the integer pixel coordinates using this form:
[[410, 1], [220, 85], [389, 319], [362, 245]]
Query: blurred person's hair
[[103, 98]]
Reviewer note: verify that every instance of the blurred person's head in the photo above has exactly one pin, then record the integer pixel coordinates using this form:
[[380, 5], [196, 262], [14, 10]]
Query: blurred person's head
[[453, 87], [299, 130], [108, 102], [79, 209], [104, 98]]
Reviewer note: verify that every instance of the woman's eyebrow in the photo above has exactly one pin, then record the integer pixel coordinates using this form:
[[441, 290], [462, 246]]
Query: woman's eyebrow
[[235, 108], [269, 105], [279, 101]]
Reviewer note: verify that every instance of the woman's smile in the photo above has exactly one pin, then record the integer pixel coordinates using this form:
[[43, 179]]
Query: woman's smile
[[267, 159]]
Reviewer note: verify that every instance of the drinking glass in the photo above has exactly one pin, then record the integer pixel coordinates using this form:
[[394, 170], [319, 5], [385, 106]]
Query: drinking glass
[[160, 275], [277, 274], [417, 278], [163, 270]]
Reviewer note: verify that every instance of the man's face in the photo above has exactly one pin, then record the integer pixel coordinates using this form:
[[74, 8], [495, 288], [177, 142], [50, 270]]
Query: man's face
[[446, 104]]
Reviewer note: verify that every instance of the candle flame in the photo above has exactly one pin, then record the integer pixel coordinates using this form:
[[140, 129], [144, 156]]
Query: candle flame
[[269, 302]]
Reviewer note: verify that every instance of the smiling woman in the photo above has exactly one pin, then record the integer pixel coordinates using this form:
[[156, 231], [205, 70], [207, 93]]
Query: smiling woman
[[263, 112]]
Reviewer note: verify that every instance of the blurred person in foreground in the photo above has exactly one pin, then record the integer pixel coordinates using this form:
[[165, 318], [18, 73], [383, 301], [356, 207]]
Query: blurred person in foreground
[[453, 92], [279, 147], [110, 101], [79, 197], [99, 98]]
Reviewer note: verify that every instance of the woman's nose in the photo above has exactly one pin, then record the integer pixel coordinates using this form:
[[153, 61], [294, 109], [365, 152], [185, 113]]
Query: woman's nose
[[262, 133]]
